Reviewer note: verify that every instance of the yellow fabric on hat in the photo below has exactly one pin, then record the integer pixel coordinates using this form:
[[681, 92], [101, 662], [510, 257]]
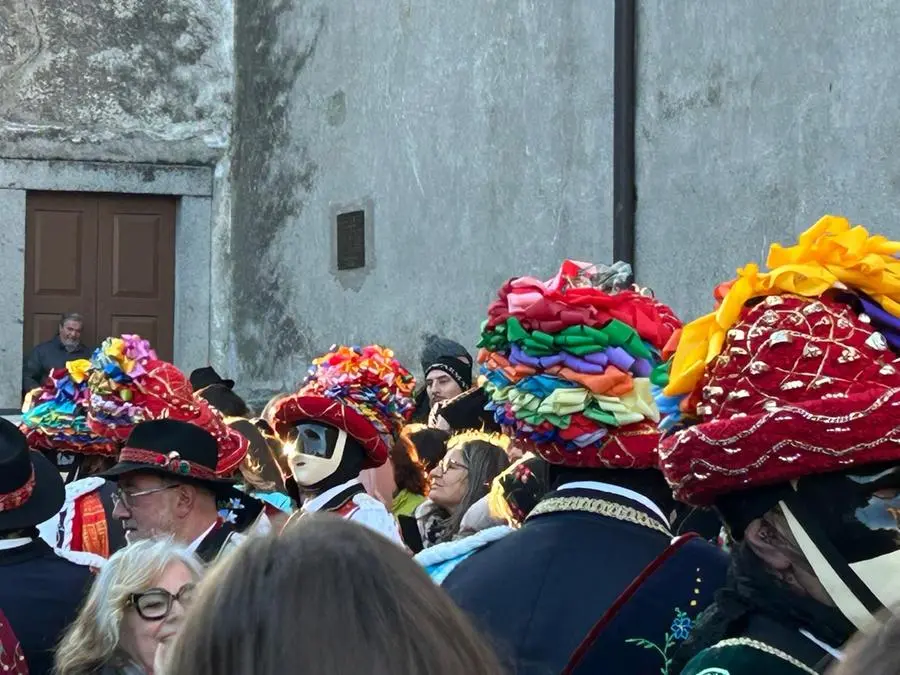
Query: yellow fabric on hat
[[830, 252]]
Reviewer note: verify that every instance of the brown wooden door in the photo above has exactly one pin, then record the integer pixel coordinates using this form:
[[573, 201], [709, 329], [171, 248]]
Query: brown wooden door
[[109, 257]]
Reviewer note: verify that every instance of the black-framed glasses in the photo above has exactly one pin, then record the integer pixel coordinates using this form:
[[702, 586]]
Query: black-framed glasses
[[155, 604]]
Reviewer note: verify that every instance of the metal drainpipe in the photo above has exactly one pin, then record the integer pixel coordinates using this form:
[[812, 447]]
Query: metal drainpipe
[[624, 104]]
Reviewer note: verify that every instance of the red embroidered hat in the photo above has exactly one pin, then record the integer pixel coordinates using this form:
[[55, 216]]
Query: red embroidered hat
[[803, 381], [126, 391], [568, 363], [363, 391]]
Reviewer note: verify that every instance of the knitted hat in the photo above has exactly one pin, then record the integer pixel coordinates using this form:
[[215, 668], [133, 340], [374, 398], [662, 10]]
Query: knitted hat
[[363, 391], [794, 374], [127, 385], [568, 365]]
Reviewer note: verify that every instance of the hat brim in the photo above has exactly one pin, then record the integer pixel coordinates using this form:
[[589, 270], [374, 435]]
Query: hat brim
[[122, 468], [46, 499], [294, 409], [835, 434]]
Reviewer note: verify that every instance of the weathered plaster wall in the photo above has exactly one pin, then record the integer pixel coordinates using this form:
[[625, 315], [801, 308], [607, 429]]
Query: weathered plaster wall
[[479, 132], [116, 80], [755, 120]]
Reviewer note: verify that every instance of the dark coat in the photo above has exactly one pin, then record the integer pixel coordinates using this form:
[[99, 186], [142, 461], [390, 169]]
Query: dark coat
[[40, 594], [540, 592], [46, 356]]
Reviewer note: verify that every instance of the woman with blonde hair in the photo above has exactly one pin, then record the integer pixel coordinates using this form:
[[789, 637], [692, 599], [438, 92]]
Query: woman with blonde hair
[[141, 589]]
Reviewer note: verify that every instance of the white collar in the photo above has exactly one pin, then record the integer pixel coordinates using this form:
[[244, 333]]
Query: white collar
[[316, 503], [609, 488], [196, 543], [836, 653], [18, 542]]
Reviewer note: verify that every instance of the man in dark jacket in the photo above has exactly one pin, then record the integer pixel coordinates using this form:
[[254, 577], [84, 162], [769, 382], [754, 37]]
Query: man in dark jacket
[[40, 592], [55, 352]]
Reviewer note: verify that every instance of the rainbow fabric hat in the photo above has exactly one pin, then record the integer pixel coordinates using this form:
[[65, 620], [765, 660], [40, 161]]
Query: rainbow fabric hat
[[363, 391], [568, 365]]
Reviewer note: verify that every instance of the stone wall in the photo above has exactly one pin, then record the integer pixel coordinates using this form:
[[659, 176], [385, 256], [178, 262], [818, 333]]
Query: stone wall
[[477, 135], [753, 121], [117, 80]]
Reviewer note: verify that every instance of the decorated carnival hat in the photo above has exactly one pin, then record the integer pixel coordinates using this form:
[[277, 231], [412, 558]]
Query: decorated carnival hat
[[795, 374], [54, 417], [568, 365], [128, 385], [363, 391]]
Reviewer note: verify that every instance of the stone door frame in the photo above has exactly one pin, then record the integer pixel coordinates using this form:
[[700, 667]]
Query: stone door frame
[[192, 185]]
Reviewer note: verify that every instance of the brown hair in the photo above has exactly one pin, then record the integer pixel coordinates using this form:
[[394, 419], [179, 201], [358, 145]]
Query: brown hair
[[409, 472], [430, 444], [326, 597]]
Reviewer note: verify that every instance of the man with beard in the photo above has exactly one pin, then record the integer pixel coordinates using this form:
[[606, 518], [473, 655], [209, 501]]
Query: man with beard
[[793, 388], [55, 353], [168, 486]]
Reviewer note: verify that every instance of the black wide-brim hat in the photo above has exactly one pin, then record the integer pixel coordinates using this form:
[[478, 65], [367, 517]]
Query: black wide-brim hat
[[173, 449], [204, 377], [31, 489]]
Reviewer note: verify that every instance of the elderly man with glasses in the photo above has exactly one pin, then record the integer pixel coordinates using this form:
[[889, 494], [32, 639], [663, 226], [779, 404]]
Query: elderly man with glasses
[[167, 485]]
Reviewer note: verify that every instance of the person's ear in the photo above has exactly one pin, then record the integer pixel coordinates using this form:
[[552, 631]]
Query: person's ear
[[768, 544], [185, 498]]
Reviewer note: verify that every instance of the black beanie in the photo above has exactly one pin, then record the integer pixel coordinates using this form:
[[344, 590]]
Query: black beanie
[[459, 370]]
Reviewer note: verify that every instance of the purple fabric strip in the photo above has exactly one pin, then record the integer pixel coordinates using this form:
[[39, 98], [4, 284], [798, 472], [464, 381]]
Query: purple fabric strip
[[619, 358], [886, 323], [599, 358]]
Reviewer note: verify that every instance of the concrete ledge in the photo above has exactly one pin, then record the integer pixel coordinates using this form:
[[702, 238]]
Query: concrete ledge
[[146, 179]]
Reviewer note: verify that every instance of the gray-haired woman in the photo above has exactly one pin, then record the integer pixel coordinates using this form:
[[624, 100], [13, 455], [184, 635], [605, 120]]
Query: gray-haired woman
[[140, 590]]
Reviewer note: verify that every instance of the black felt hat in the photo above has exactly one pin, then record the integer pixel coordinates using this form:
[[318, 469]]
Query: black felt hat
[[204, 377], [31, 489], [170, 448]]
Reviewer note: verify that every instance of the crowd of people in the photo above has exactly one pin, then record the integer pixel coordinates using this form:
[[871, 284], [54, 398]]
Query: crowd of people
[[599, 489]]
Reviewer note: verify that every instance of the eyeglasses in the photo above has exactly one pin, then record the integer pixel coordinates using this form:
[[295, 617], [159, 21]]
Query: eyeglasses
[[155, 604], [126, 497], [447, 465]]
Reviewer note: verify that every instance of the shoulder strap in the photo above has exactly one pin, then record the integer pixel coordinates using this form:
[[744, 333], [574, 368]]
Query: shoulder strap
[[623, 599]]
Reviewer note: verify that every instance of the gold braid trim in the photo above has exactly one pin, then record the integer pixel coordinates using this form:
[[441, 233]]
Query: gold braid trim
[[768, 649], [601, 507]]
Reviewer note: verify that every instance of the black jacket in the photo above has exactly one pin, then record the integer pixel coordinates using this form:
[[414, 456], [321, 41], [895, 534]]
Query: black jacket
[[46, 356], [542, 593], [40, 594]]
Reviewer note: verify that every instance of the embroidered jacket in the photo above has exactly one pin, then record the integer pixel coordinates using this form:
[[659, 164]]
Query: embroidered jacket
[[350, 501]]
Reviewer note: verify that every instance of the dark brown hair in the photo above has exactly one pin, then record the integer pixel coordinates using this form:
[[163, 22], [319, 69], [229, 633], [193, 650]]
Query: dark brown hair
[[430, 444], [409, 472], [327, 597]]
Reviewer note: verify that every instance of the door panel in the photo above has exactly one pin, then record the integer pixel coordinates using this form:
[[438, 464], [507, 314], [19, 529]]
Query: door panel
[[108, 257], [136, 269], [60, 264]]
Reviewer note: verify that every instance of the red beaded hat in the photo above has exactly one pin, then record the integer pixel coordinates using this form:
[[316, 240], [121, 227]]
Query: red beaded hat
[[804, 380], [363, 391], [125, 391]]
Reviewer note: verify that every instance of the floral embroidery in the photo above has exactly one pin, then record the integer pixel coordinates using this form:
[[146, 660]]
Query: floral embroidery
[[678, 632]]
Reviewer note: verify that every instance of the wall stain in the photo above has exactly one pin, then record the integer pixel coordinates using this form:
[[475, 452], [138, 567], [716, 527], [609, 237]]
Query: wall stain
[[272, 181]]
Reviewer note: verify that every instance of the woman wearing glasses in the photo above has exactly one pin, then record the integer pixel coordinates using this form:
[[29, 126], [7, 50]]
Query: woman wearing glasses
[[137, 597], [461, 479]]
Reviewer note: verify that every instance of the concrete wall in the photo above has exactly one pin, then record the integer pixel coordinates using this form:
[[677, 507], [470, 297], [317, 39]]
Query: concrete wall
[[116, 80], [477, 133], [752, 123]]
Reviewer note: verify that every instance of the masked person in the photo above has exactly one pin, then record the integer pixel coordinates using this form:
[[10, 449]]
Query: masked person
[[593, 580], [343, 420], [785, 403]]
